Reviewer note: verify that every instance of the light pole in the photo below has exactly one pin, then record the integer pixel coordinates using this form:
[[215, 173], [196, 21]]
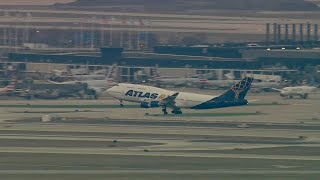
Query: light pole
[[92, 32], [111, 34], [16, 32], [103, 21], [5, 32], [81, 34], [76, 39], [27, 35]]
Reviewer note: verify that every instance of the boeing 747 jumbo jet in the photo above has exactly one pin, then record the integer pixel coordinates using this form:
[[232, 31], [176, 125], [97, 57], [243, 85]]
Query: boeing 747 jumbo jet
[[149, 96]]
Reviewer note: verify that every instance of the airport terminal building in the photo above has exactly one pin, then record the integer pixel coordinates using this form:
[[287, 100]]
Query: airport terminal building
[[271, 58]]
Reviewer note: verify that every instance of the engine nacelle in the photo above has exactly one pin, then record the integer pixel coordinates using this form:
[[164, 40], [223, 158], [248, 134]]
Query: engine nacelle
[[150, 104]]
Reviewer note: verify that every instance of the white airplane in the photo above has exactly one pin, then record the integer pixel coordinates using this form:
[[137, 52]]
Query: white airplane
[[67, 74], [301, 91], [173, 81], [149, 96], [9, 88], [205, 83], [99, 86], [258, 86], [215, 84], [163, 81], [89, 77]]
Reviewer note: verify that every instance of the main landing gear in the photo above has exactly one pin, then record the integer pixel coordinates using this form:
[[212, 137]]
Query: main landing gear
[[164, 110], [121, 104], [174, 111]]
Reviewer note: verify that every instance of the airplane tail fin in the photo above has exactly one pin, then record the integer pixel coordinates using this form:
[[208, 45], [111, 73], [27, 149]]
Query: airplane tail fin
[[12, 85], [237, 91], [154, 73], [112, 74]]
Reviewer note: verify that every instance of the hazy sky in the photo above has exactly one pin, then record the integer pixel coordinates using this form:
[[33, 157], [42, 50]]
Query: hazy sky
[[32, 2]]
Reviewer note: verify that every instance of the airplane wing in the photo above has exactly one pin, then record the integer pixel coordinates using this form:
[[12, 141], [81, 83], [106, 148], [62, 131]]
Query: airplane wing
[[170, 101], [170, 98], [66, 82], [253, 100], [276, 89], [53, 82]]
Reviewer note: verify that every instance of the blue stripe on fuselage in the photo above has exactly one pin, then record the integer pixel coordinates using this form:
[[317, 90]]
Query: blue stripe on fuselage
[[212, 104]]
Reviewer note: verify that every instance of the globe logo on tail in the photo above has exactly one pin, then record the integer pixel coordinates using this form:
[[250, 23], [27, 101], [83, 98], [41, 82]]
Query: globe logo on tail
[[241, 86]]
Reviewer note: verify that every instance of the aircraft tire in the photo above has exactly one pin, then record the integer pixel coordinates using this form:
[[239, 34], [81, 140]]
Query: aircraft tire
[[165, 112], [177, 112]]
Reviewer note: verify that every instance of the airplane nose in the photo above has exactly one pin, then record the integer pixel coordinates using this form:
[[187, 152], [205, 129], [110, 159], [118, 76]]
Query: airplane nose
[[108, 91], [113, 91]]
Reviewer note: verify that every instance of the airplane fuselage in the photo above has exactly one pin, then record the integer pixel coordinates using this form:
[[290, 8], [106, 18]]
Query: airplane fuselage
[[302, 91], [143, 93]]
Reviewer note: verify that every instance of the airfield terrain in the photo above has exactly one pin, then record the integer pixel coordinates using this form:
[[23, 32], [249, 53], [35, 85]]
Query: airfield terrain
[[271, 138]]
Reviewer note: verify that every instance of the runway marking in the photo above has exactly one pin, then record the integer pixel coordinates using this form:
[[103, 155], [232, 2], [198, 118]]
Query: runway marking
[[139, 152], [191, 172], [285, 167], [302, 104]]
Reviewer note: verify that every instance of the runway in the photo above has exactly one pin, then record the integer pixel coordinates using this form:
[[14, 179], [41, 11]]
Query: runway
[[264, 140]]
